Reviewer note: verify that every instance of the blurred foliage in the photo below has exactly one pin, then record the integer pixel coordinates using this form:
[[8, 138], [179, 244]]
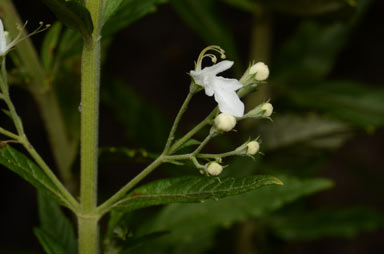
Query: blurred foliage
[[309, 225], [56, 232], [316, 115]]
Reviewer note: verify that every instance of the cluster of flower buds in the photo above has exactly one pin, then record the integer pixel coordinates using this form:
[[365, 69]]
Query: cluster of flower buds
[[229, 103]]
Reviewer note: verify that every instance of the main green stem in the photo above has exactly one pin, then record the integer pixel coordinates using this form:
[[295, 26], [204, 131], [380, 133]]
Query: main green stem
[[90, 87]]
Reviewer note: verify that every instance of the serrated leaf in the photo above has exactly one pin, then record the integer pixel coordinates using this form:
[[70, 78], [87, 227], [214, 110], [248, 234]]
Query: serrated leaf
[[205, 19], [49, 45], [346, 222], [73, 14], [192, 223], [24, 167], [191, 189], [127, 13], [56, 231]]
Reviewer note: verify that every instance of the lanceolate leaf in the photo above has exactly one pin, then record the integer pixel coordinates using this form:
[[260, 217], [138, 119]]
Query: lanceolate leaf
[[73, 14], [189, 189], [55, 231], [195, 224], [24, 167]]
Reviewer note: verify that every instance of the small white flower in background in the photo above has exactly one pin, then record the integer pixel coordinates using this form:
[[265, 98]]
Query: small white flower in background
[[225, 122], [268, 109], [214, 168], [253, 147], [223, 89], [260, 70]]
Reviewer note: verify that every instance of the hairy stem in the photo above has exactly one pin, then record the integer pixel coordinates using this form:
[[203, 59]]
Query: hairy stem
[[176, 122], [90, 88], [192, 132]]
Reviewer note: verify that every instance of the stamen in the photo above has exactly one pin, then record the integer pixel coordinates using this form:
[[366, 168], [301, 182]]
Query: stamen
[[21, 36], [212, 56], [204, 54]]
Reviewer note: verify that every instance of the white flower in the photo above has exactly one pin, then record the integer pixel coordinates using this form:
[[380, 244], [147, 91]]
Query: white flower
[[223, 89], [3, 40], [5, 46], [225, 122], [214, 169], [268, 109], [260, 70], [253, 147]]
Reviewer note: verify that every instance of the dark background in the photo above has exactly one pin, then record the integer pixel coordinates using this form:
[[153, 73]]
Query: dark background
[[154, 56]]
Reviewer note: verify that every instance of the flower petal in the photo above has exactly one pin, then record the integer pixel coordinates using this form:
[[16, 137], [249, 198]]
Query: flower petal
[[227, 83], [229, 102], [3, 41], [217, 68]]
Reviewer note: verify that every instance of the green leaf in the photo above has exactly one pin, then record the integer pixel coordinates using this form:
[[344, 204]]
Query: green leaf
[[190, 189], [193, 226], [56, 231], [127, 12], [346, 222], [48, 242], [73, 14], [204, 18], [315, 131], [349, 101], [49, 45], [24, 167], [110, 9]]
